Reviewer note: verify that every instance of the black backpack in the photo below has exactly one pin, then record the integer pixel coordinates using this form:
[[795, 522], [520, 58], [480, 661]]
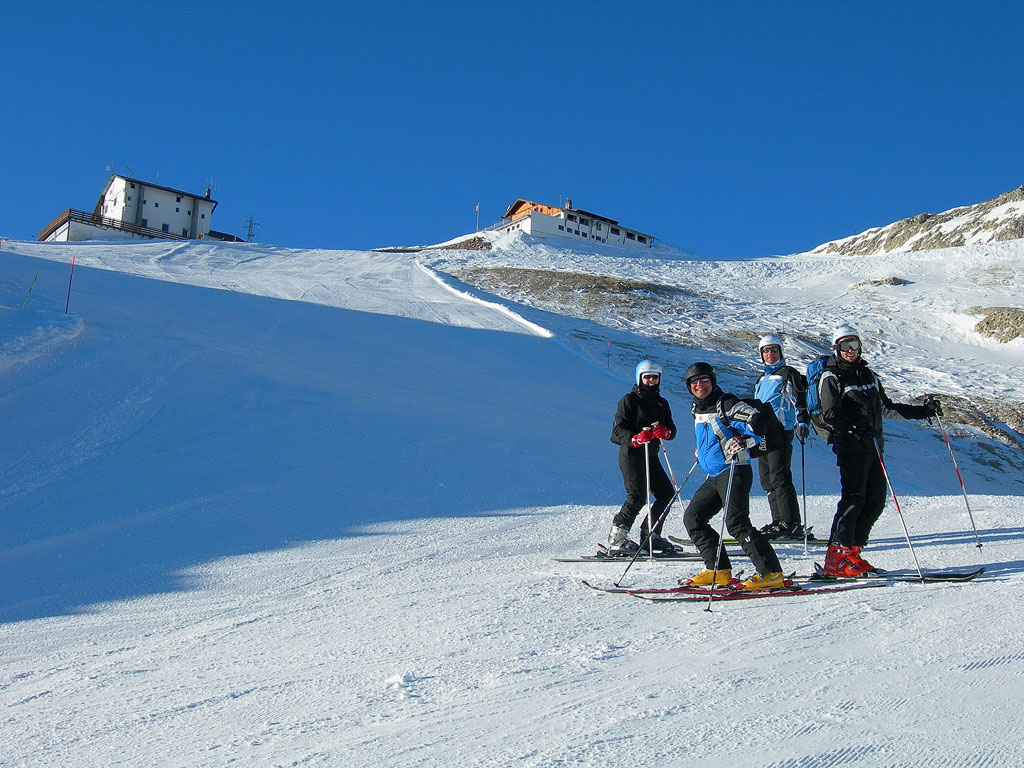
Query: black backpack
[[774, 433]]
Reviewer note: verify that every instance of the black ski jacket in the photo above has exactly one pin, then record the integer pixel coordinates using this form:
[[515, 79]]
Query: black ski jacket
[[853, 403], [639, 408]]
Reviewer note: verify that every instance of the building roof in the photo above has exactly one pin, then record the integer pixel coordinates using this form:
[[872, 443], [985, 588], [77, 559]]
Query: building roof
[[150, 184], [521, 207]]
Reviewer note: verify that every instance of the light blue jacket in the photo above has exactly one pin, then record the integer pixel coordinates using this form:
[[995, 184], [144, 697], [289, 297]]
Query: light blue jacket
[[783, 392]]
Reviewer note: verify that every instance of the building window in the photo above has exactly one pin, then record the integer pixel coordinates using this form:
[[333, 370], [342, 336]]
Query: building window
[[177, 198], [561, 228], [145, 222], [189, 213], [571, 217], [184, 232], [156, 205], [165, 227], [133, 186], [584, 222], [177, 210], [629, 236], [597, 225], [641, 238], [129, 198], [615, 231], [202, 216]]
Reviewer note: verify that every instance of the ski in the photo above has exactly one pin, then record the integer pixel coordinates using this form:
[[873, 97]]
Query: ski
[[664, 557], [695, 594], [653, 590], [926, 577], [732, 542], [604, 556]]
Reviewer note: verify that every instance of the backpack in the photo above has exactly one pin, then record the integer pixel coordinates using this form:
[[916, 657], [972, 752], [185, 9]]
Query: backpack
[[814, 370], [774, 434]]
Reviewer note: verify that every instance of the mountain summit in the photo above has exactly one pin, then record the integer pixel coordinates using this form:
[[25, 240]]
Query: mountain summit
[[1001, 218]]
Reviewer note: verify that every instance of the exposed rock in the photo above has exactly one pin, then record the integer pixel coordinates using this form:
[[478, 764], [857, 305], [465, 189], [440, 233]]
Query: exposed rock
[[1002, 421], [1001, 218], [469, 244], [1000, 323], [883, 281]]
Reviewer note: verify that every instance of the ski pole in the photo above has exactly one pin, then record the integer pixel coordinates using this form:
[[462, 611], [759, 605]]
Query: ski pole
[[29, 290], [721, 533], [803, 483], [647, 467], [71, 276], [899, 513], [663, 515], [960, 478]]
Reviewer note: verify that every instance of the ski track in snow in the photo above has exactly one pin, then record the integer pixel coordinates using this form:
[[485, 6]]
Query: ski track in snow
[[434, 629]]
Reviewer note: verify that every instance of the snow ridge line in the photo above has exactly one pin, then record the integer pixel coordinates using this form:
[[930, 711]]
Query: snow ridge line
[[532, 327]]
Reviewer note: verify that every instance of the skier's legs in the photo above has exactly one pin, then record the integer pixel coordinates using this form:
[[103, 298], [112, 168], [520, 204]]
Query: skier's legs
[[737, 521], [704, 505], [853, 477], [663, 491], [875, 492], [776, 477]]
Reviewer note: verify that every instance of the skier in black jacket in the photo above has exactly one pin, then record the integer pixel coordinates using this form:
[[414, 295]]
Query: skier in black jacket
[[853, 404], [643, 418]]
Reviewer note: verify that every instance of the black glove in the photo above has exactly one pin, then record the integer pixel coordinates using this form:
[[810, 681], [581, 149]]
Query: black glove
[[933, 407]]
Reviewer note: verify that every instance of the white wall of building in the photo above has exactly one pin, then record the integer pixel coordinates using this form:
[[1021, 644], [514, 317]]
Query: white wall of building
[[577, 227], [133, 202]]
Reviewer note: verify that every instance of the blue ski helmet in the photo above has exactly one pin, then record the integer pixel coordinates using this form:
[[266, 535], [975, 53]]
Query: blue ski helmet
[[646, 366]]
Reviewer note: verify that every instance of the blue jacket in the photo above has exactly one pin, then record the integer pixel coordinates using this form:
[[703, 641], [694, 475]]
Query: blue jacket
[[785, 389], [712, 432]]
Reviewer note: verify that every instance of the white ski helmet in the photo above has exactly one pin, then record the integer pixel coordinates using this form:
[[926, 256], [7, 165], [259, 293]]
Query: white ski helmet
[[646, 366], [771, 340], [844, 332]]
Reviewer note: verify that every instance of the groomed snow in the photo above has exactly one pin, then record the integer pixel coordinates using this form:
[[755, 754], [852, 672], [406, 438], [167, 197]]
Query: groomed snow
[[308, 518]]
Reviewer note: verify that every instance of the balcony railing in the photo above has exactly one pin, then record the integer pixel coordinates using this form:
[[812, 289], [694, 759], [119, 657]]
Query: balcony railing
[[100, 221]]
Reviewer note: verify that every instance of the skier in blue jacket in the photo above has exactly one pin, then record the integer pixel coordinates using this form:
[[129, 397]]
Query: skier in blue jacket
[[725, 428], [785, 389]]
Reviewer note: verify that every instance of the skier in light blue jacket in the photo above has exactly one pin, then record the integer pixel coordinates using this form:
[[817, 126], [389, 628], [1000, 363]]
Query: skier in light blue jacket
[[785, 389]]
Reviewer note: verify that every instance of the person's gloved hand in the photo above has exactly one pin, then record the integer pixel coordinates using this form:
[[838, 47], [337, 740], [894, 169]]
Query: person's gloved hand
[[933, 407], [644, 436], [662, 432], [733, 446], [801, 431]]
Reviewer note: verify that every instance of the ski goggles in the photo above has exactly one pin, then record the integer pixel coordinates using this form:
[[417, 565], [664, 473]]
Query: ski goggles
[[849, 344], [699, 380]]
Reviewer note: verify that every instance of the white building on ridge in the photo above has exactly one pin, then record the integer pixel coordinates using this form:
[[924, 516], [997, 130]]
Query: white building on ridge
[[132, 208], [550, 221]]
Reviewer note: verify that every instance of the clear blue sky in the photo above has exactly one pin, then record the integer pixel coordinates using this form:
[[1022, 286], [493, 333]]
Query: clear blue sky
[[730, 129]]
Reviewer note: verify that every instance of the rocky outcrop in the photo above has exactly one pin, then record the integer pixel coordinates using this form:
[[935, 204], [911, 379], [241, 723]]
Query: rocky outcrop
[[1001, 218]]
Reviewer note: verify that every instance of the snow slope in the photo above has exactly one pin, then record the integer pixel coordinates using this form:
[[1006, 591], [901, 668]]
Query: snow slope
[[308, 519]]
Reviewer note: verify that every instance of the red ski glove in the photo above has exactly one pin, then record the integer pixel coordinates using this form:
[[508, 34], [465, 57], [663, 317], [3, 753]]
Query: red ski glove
[[645, 436], [662, 432]]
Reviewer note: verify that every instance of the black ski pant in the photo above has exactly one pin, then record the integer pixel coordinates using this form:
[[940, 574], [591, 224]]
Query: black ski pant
[[862, 499], [708, 501], [634, 477], [777, 481]]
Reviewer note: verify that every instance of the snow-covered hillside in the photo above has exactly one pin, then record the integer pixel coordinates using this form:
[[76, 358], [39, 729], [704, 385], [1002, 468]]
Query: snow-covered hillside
[[276, 507]]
